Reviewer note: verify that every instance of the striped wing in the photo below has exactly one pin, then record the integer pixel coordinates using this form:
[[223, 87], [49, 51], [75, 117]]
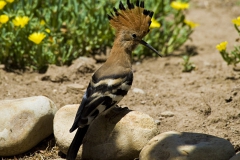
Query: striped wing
[[101, 94]]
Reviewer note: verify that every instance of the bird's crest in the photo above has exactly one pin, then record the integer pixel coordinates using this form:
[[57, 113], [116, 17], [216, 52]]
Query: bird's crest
[[134, 17]]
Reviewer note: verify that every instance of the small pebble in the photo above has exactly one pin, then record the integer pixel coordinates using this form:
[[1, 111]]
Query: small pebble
[[167, 114], [143, 102], [138, 90], [157, 122], [161, 118]]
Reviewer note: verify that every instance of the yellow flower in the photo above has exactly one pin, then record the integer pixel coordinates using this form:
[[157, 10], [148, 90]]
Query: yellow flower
[[47, 30], [4, 18], [179, 5], [42, 22], [9, 1], [20, 21], [191, 24], [236, 21], [222, 46], [37, 37], [155, 24], [2, 4]]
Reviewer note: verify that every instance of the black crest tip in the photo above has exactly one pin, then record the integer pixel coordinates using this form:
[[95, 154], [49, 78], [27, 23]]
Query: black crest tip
[[121, 6], [112, 14], [151, 14], [130, 5], [109, 17], [115, 10], [142, 4], [146, 12], [137, 3]]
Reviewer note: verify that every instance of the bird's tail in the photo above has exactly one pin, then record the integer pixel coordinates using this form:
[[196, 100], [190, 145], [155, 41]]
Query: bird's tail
[[76, 143]]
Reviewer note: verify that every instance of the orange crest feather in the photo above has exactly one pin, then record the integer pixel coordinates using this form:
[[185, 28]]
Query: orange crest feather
[[134, 18]]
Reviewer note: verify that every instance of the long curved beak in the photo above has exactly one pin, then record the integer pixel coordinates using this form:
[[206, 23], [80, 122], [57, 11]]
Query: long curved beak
[[149, 46]]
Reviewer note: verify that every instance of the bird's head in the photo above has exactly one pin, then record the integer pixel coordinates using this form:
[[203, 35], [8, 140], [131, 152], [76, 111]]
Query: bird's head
[[131, 24]]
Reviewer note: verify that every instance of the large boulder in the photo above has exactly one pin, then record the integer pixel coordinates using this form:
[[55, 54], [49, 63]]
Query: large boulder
[[187, 146], [24, 123], [117, 134]]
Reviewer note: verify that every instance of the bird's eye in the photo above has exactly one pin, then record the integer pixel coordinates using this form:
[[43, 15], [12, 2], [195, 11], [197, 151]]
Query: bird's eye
[[134, 35]]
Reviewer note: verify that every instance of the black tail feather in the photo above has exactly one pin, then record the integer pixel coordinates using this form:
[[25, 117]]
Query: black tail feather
[[76, 143]]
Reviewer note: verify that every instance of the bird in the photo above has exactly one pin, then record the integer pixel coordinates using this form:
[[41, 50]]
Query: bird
[[112, 81]]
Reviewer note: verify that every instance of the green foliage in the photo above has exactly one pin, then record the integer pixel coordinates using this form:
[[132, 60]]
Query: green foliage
[[76, 28], [232, 57], [187, 65], [73, 28], [173, 32]]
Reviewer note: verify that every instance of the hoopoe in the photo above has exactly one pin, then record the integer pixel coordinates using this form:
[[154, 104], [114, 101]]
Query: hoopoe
[[111, 82]]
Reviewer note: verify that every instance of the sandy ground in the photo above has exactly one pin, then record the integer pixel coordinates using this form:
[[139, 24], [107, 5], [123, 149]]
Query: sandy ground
[[205, 100]]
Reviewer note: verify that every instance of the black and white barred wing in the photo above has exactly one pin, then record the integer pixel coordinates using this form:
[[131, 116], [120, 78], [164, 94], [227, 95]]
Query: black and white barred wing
[[101, 95]]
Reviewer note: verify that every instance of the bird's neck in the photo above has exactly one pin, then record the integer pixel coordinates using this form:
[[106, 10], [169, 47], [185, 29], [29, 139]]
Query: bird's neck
[[120, 54]]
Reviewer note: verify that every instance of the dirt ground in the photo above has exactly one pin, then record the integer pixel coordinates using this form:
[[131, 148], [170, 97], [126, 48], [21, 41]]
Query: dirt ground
[[205, 100]]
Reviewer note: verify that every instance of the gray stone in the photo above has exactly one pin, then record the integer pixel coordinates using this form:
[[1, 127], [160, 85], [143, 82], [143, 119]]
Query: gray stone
[[187, 146], [236, 157], [24, 123], [118, 135]]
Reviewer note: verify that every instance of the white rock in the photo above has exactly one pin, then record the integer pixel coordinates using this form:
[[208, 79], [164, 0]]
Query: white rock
[[236, 157], [143, 102], [24, 123], [120, 137], [138, 90], [187, 146], [115, 134], [167, 114], [63, 121]]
